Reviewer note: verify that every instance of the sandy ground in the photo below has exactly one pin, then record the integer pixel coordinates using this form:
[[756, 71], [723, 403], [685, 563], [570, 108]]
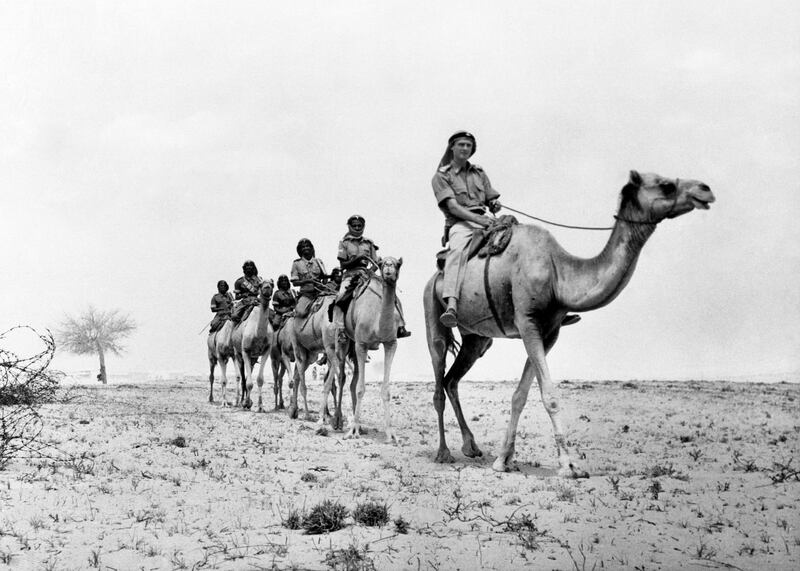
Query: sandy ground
[[683, 476]]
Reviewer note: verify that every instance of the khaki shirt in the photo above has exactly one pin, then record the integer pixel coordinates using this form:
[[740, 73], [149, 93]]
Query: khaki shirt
[[222, 303], [469, 186], [303, 269], [283, 301], [247, 288], [351, 247]]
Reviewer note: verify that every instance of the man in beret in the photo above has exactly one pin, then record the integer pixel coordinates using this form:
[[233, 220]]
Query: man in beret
[[464, 193], [356, 254]]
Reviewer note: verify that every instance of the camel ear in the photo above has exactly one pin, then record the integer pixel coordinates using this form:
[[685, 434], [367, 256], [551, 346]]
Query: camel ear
[[636, 178], [400, 262]]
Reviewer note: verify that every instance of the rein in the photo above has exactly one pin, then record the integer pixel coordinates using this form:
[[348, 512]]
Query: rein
[[617, 217]]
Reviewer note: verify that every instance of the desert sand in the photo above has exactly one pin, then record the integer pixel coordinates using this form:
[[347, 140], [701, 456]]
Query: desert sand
[[683, 475]]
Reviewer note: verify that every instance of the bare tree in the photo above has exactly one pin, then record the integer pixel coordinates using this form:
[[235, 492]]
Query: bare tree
[[95, 332]]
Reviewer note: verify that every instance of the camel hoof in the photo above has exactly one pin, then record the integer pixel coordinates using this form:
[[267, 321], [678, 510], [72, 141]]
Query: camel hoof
[[292, 412], [390, 439], [500, 466], [308, 416], [444, 457], [471, 451], [573, 473]]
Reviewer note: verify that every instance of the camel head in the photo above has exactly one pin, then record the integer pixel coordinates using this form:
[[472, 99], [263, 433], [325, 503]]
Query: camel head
[[265, 291], [651, 198], [390, 269]]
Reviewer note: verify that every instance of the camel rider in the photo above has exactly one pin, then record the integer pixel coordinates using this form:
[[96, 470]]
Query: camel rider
[[283, 301], [464, 193], [357, 255], [221, 305], [335, 281], [245, 291], [307, 274]]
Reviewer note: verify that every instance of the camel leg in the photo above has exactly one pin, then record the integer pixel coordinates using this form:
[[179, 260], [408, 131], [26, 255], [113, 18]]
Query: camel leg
[[437, 336], [503, 463], [260, 380], [472, 348], [300, 361], [277, 377], [247, 385], [388, 356], [286, 369], [212, 363], [223, 366], [327, 387], [361, 358], [240, 381], [537, 357]]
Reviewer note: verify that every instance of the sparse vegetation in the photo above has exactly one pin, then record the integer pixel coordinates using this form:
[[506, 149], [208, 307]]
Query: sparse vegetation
[[325, 517]]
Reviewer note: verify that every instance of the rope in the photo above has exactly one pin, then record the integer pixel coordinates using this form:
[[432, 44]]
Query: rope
[[556, 223]]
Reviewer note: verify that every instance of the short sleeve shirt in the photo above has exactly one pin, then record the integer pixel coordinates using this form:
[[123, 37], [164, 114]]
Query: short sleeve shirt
[[283, 301], [222, 303], [469, 186], [350, 247], [303, 269]]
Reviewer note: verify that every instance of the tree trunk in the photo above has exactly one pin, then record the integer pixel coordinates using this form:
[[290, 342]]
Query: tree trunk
[[103, 377]]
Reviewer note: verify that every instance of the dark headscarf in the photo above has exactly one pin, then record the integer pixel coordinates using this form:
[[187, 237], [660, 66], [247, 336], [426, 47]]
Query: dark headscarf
[[302, 244], [252, 265], [222, 283]]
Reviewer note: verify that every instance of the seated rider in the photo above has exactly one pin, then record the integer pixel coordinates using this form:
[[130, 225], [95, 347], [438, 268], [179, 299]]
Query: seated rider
[[283, 302], [245, 290], [357, 254], [307, 274], [221, 305], [334, 281], [464, 193]]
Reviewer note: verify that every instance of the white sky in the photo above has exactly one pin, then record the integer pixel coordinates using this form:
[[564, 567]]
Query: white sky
[[148, 148]]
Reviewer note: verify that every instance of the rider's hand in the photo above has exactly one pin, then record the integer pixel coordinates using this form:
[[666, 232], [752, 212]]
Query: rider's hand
[[494, 206], [484, 221]]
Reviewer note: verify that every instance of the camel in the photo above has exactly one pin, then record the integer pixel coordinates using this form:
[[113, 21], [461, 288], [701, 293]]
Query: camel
[[533, 284], [311, 336], [281, 357], [372, 320], [220, 350], [251, 341]]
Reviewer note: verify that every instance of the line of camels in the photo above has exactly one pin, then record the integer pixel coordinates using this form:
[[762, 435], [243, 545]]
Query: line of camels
[[524, 294]]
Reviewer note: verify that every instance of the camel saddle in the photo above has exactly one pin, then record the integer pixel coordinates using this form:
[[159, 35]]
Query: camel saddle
[[486, 242]]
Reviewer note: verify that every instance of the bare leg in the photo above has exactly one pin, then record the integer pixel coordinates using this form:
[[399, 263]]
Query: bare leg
[[389, 350]]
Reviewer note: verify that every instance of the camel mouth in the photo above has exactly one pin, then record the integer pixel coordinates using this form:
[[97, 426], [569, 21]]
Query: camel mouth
[[701, 204]]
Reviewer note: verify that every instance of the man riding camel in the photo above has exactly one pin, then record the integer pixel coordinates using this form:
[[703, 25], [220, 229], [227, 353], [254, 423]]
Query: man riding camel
[[246, 290], [464, 194], [307, 274], [283, 301], [221, 306], [357, 254]]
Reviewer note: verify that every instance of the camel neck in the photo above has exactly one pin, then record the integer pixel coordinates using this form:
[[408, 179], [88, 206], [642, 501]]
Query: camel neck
[[586, 284]]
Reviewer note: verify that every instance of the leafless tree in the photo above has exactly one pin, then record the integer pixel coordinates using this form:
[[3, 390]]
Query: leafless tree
[[95, 332]]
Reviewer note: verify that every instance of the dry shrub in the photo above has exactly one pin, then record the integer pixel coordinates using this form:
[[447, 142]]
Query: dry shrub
[[373, 514], [325, 517]]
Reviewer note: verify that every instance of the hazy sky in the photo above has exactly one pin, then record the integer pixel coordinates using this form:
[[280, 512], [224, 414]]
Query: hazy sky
[[148, 148]]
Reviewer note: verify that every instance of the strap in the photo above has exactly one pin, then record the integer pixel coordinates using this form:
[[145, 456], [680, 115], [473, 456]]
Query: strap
[[489, 299]]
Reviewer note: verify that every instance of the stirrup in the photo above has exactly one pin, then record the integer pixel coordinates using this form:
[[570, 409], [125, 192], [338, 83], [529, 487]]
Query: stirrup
[[449, 318]]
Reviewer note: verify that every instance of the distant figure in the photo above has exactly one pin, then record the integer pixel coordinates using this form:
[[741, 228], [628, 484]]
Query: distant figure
[[283, 302], [307, 273], [221, 306], [357, 254], [246, 290]]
